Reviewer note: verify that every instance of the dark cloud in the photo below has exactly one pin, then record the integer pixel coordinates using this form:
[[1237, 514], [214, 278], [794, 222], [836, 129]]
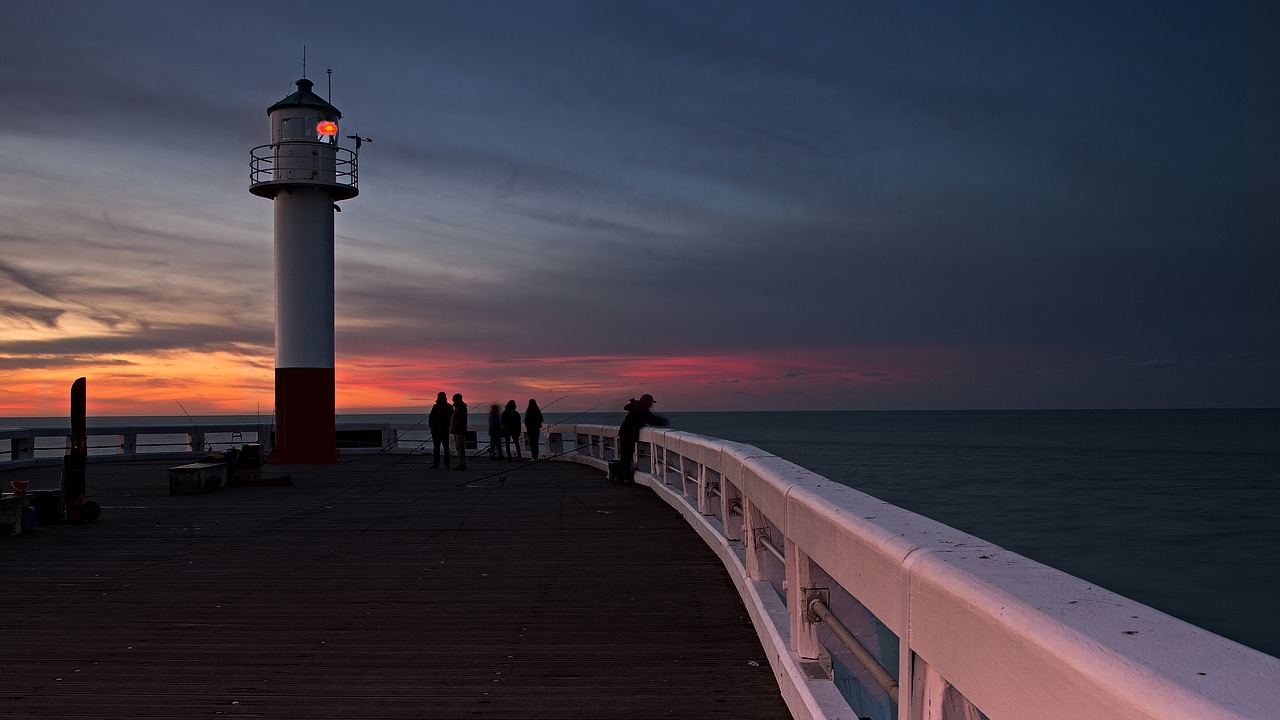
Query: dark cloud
[[1163, 364], [40, 284], [46, 317], [1020, 181]]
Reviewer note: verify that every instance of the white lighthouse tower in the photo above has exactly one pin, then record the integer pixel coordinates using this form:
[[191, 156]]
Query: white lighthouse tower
[[305, 173]]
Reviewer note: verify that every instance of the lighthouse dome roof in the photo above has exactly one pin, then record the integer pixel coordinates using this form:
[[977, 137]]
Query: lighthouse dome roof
[[304, 97]]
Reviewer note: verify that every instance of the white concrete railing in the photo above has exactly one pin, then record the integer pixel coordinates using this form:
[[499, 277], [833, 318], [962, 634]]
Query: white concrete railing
[[968, 628], [24, 446]]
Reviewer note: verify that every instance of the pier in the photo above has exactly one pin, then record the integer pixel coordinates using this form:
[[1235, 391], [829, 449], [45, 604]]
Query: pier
[[371, 588], [727, 582]]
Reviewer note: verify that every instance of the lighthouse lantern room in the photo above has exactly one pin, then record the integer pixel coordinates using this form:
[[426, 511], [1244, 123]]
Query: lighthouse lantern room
[[304, 172]]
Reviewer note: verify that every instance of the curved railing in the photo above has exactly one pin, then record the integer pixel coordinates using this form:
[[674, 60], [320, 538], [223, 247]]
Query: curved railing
[[949, 625]]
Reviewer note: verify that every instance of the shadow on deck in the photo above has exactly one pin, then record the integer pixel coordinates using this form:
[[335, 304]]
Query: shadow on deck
[[374, 588]]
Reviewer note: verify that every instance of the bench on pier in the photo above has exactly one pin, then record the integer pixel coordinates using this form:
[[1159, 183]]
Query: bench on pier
[[195, 478]]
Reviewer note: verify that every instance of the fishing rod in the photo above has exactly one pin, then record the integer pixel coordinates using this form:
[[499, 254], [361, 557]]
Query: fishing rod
[[553, 402], [534, 462], [531, 463], [428, 439], [584, 412], [194, 426], [396, 439]]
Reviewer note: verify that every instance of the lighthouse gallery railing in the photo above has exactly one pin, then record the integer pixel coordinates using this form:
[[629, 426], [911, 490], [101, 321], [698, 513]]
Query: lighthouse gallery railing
[[303, 163]]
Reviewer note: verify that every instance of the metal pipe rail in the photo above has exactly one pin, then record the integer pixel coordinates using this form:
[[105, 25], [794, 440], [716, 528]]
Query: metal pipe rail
[[763, 541], [864, 657], [822, 613]]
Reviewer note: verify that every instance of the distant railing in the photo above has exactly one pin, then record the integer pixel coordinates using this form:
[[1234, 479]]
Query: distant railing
[[24, 446], [953, 626], [47, 445]]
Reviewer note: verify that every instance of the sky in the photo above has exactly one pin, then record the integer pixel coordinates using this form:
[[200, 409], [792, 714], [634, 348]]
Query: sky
[[729, 205]]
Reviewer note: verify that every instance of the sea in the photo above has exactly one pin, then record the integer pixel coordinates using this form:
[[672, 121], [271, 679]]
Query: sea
[[1176, 509]]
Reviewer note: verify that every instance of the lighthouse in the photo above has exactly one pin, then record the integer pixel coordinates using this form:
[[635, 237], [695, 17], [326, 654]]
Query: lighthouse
[[305, 173]]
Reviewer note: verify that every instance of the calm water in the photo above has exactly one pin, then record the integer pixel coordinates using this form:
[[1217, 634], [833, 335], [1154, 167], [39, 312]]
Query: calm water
[[1175, 509]]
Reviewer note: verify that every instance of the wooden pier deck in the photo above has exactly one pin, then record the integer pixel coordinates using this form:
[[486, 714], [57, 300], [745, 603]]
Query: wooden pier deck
[[374, 588]]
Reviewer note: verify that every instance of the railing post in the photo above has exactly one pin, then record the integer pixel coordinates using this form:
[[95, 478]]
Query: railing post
[[729, 495], [195, 440], [755, 525], [800, 576], [704, 491], [22, 448], [390, 438], [933, 698], [128, 443]]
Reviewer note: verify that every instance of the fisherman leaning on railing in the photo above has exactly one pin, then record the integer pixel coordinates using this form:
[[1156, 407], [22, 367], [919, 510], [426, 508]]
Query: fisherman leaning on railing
[[638, 415]]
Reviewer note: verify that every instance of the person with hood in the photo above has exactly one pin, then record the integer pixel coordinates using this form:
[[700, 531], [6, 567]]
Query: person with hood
[[533, 426], [511, 429], [638, 415], [458, 428], [438, 422], [495, 433]]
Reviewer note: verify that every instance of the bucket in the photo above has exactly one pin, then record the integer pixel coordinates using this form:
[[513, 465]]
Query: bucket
[[47, 505], [20, 486]]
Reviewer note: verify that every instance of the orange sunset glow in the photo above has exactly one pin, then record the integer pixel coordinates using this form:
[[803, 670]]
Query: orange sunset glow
[[237, 384]]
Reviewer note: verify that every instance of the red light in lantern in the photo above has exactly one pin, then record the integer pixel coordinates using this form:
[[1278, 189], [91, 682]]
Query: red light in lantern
[[327, 128]]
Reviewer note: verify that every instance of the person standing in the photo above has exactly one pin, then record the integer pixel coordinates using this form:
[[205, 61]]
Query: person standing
[[438, 422], [495, 433], [533, 426], [638, 415], [458, 428], [511, 429]]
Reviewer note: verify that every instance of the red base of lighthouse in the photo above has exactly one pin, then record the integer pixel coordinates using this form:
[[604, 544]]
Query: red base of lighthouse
[[305, 425]]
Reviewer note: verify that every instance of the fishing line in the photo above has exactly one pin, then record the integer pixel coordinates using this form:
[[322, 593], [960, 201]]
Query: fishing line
[[396, 439], [534, 462], [429, 438], [531, 463], [194, 425]]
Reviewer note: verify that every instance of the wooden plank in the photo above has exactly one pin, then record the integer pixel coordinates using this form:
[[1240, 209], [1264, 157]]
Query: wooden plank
[[375, 588]]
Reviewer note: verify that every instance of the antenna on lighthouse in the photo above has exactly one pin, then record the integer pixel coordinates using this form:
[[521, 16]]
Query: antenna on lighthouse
[[330, 72], [304, 61]]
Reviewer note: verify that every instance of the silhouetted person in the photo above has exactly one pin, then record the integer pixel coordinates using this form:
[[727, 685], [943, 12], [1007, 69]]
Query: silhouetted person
[[438, 421], [458, 428], [511, 429], [638, 415], [495, 432], [533, 426]]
